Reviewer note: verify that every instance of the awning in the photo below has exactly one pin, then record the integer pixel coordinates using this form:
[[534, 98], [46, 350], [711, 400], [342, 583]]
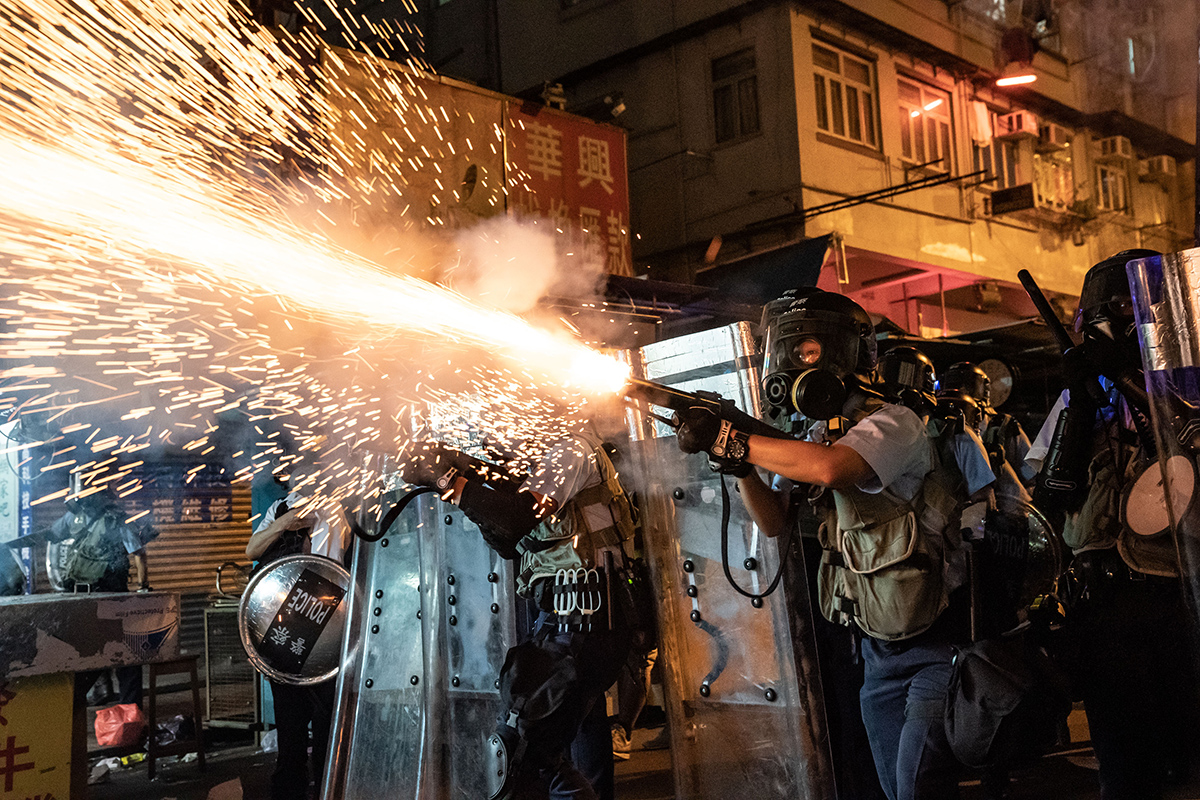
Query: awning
[[765, 276]]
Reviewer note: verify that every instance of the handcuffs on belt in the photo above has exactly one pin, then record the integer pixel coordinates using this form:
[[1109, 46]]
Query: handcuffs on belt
[[576, 592]]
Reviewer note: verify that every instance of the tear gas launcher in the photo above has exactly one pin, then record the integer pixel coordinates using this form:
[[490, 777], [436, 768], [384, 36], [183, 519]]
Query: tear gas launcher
[[657, 394]]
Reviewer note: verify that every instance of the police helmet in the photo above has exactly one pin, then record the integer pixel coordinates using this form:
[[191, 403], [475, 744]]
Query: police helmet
[[1105, 297], [813, 328], [814, 341], [965, 378], [907, 375]]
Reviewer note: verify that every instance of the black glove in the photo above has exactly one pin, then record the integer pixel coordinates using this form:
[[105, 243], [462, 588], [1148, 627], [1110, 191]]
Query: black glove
[[1081, 375], [702, 431], [697, 429], [429, 464]]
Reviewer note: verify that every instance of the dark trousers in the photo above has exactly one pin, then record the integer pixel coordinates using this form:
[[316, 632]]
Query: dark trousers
[[905, 687], [842, 680], [569, 755], [129, 679], [295, 708], [1136, 682], [591, 750]]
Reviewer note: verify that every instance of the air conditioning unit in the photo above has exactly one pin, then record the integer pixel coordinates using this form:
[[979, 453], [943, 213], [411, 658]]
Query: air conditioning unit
[[1157, 168], [1052, 136], [1016, 126], [1114, 148]]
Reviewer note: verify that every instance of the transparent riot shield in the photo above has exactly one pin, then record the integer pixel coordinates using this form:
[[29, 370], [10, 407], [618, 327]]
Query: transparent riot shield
[[418, 700], [741, 684], [1016, 557], [1166, 299]]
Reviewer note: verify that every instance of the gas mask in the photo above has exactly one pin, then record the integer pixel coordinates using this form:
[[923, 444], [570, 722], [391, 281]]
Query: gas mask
[[960, 409], [1105, 308], [812, 348]]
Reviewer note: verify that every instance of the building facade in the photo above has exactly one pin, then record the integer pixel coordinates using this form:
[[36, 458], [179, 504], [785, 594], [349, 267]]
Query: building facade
[[755, 126]]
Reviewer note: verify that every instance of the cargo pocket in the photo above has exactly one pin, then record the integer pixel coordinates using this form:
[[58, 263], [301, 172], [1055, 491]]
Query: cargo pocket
[[897, 583]]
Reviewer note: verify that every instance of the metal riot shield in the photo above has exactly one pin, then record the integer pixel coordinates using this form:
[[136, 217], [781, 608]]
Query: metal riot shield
[[418, 701], [292, 617], [1166, 300], [741, 684], [1016, 557]]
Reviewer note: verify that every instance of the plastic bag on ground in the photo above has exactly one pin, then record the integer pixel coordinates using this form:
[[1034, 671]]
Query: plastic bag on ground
[[270, 742], [121, 725], [98, 773], [178, 728]]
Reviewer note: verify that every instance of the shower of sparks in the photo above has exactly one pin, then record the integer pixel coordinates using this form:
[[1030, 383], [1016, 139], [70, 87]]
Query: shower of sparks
[[176, 181]]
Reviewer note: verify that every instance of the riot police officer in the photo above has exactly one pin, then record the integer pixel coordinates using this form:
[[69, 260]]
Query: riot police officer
[[1127, 607], [292, 525], [566, 524], [872, 460], [966, 387], [907, 376]]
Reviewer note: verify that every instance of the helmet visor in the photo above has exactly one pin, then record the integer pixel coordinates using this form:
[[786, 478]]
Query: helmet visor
[[807, 339]]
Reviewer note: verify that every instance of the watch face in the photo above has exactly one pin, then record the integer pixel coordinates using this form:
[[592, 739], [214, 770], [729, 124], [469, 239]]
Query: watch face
[[1002, 378], [735, 449]]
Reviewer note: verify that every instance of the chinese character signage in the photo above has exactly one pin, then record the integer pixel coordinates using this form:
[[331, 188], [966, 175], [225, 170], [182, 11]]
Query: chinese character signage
[[16, 515], [573, 172], [186, 494], [35, 737]]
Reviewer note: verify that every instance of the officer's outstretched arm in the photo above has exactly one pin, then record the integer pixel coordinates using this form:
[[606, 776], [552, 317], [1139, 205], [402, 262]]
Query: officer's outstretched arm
[[766, 506], [504, 512], [835, 466]]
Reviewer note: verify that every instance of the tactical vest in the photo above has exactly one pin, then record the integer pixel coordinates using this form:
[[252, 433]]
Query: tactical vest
[[889, 564], [598, 517], [996, 440], [1117, 460]]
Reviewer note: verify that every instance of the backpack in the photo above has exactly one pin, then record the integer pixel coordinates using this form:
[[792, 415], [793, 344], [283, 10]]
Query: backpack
[[888, 564], [95, 553]]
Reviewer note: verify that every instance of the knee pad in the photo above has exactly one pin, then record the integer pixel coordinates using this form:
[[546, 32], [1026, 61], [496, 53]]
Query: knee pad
[[505, 751]]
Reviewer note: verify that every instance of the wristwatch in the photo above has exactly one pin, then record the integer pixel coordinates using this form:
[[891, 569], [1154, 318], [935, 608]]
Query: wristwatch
[[730, 444]]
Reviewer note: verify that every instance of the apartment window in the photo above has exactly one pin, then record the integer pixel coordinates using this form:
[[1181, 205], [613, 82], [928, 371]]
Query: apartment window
[[1053, 182], [735, 95], [845, 94], [925, 125], [998, 159], [1112, 188]]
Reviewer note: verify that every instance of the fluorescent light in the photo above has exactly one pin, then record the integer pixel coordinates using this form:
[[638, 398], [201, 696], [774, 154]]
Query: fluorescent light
[[914, 114], [1016, 80], [932, 105]]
